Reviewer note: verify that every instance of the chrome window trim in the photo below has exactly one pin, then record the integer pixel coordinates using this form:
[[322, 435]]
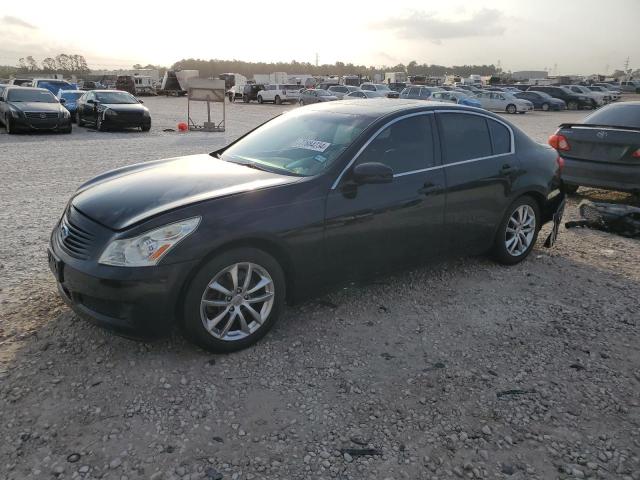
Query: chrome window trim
[[430, 112], [371, 139]]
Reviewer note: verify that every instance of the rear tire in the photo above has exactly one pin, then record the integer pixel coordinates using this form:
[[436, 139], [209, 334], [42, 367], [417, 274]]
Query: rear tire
[[278, 101], [260, 100], [572, 105], [229, 307], [511, 108], [545, 107], [145, 128], [514, 241]]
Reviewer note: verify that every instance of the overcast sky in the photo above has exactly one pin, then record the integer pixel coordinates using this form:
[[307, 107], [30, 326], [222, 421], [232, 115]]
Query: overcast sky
[[563, 36]]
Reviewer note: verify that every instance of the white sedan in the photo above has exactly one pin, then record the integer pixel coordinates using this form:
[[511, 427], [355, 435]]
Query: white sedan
[[503, 102]]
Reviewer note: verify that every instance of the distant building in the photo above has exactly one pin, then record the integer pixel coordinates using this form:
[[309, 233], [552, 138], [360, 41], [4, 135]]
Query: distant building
[[527, 74]]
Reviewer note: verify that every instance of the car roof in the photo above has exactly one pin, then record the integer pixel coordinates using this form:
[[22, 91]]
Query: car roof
[[380, 107], [17, 87], [106, 91]]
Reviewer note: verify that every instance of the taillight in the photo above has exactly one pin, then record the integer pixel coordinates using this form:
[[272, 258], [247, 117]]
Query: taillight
[[636, 154], [559, 142]]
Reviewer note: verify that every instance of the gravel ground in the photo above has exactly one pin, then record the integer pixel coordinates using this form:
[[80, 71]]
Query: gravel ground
[[463, 369]]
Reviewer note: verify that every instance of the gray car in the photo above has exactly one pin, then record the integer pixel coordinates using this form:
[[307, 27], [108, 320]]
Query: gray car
[[341, 90], [419, 92], [315, 95], [364, 94]]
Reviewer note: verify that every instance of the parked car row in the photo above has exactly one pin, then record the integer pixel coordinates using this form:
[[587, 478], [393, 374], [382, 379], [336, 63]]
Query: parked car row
[[37, 109]]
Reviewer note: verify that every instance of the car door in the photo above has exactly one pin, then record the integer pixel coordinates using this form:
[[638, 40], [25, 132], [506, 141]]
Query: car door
[[480, 167], [372, 226]]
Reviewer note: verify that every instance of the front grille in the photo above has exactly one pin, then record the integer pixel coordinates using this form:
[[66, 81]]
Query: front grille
[[74, 240], [38, 115]]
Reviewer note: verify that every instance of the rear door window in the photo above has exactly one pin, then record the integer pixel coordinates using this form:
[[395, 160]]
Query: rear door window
[[500, 137], [464, 137]]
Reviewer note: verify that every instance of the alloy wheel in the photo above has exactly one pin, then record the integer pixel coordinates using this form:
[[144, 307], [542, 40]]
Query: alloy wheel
[[520, 230], [237, 301]]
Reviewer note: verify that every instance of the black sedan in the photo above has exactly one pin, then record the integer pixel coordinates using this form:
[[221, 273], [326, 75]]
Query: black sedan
[[24, 108], [603, 150], [108, 109], [324, 193]]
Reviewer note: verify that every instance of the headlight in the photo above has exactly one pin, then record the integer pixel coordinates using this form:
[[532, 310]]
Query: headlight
[[145, 112], [15, 113], [65, 113], [147, 249]]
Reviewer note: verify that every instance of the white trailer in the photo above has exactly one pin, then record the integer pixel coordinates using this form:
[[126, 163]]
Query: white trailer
[[278, 77], [395, 77], [261, 78], [184, 76]]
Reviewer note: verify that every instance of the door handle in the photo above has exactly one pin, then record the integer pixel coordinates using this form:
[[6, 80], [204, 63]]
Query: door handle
[[428, 188], [507, 169]]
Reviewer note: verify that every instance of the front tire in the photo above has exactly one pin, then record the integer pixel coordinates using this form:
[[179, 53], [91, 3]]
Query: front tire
[[545, 107], [570, 188], [99, 125], [8, 125], [260, 100], [79, 120], [234, 300], [572, 105], [511, 108], [518, 231]]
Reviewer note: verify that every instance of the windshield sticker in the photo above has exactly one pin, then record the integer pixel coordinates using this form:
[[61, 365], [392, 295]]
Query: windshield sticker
[[309, 144]]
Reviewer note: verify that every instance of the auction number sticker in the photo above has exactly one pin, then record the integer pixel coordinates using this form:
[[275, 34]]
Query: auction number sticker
[[310, 144]]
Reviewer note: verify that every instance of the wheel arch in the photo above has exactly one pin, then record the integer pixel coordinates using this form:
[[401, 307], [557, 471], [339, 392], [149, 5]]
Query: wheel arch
[[266, 244]]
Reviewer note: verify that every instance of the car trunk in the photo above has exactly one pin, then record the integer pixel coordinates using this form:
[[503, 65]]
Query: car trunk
[[605, 144]]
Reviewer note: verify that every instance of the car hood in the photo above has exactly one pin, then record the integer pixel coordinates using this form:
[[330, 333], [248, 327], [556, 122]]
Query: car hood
[[121, 198], [124, 107], [36, 106]]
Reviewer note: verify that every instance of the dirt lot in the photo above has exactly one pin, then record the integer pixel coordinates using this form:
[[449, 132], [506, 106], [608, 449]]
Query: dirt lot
[[464, 369]]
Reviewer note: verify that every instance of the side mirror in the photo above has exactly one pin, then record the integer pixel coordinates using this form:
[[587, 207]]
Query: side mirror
[[63, 101], [372, 173], [140, 101], [91, 101]]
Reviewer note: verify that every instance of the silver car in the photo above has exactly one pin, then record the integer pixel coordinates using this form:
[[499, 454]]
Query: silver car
[[315, 95], [341, 90], [503, 102]]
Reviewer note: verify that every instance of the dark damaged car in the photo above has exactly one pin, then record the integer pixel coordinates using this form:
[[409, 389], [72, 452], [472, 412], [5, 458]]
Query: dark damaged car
[[219, 243]]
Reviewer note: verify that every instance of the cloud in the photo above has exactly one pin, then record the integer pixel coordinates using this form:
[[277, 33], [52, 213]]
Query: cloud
[[422, 25], [16, 22]]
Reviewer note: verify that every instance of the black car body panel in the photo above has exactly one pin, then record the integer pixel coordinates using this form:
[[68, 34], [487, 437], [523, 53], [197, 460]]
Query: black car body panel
[[602, 155], [166, 186], [319, 227]]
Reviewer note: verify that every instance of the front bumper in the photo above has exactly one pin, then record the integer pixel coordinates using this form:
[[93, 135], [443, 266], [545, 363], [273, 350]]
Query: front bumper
[[134, 302], [125, 121], [601, 175], [23, 123]]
